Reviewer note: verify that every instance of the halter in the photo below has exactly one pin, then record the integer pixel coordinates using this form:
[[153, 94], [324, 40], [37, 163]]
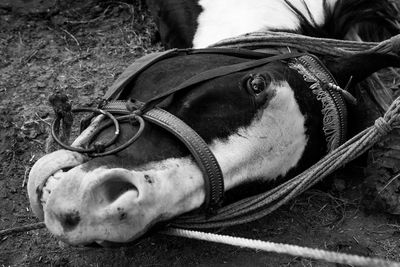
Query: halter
[[325, 88], [138, 112]]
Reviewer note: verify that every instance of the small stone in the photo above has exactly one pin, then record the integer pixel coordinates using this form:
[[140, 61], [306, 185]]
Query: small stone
[[7, 18], [62, 244], [41, 85], [58, 20], [98, 9]]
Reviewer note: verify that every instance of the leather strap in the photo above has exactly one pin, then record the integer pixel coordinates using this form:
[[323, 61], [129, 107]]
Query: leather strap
[[213, 178], [133, 70], [141, 64], [148, 60], [215, 73], [205, 159]]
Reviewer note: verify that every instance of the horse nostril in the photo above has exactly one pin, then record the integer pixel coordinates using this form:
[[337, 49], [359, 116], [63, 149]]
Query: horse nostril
[[70, 220], [115, 187]]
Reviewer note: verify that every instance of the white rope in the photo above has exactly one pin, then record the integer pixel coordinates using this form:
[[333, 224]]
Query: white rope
[[293, 250]]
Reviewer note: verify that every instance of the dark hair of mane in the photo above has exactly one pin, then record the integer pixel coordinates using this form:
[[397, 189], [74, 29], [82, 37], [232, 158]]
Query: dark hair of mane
[[373, 20], [175, 29]]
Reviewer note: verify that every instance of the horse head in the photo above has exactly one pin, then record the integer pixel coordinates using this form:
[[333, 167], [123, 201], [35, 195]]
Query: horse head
[[261, 122]]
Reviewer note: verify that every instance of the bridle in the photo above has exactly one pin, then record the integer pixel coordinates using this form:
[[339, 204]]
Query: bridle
[[141, 112]]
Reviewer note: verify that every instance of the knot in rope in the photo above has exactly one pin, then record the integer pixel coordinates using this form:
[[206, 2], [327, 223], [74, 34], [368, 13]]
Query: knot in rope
[[391, 118], [382, 126]]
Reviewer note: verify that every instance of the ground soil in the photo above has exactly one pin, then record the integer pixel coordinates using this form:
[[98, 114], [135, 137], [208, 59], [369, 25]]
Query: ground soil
[[80, 49]]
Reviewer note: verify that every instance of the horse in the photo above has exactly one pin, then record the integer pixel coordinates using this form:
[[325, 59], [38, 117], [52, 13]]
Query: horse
[[261, 116], [200, 23]]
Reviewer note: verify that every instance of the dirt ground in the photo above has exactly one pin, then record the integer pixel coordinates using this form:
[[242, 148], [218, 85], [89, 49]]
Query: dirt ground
[[80, 49]]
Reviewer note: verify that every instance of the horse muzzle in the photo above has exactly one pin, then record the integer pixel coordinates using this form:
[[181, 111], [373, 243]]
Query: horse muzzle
[[81, 204]]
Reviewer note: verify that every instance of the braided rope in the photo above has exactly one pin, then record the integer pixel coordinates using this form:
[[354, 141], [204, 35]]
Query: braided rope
[[292, 250]]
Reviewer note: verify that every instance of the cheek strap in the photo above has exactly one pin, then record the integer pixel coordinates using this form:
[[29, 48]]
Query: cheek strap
[[205, 159]]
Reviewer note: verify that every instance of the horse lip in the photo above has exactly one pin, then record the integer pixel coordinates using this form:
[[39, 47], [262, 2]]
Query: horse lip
[[43, 169]]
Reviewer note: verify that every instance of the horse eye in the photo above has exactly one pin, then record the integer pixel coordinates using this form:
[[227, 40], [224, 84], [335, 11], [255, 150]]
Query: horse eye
[[256, 83]]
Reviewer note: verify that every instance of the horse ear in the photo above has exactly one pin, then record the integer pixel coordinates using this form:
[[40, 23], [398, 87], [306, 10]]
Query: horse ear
[[358, 66]]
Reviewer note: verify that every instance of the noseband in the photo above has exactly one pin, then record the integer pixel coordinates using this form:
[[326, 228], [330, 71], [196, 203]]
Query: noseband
[[139, 113]]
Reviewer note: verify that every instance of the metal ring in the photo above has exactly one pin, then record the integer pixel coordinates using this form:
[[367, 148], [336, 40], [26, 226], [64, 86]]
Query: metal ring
[[92, 151], [86, 150], [129, 142]]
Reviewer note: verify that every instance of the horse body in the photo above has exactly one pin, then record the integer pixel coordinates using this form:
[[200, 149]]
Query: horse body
[[200, 23], [254, 135], [240, 17]]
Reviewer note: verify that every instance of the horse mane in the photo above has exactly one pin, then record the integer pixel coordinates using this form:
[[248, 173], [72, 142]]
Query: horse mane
[[179, 30], [372, 20]]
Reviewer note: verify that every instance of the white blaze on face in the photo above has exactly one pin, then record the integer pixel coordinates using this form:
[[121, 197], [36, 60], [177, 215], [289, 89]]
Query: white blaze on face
[[221, 19], [119, 205], [271, 146]]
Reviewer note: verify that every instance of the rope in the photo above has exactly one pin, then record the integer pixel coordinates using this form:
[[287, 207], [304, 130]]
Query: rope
[[19, 229], [323, 46], [292, 250], [382, 126], [391, 45]]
